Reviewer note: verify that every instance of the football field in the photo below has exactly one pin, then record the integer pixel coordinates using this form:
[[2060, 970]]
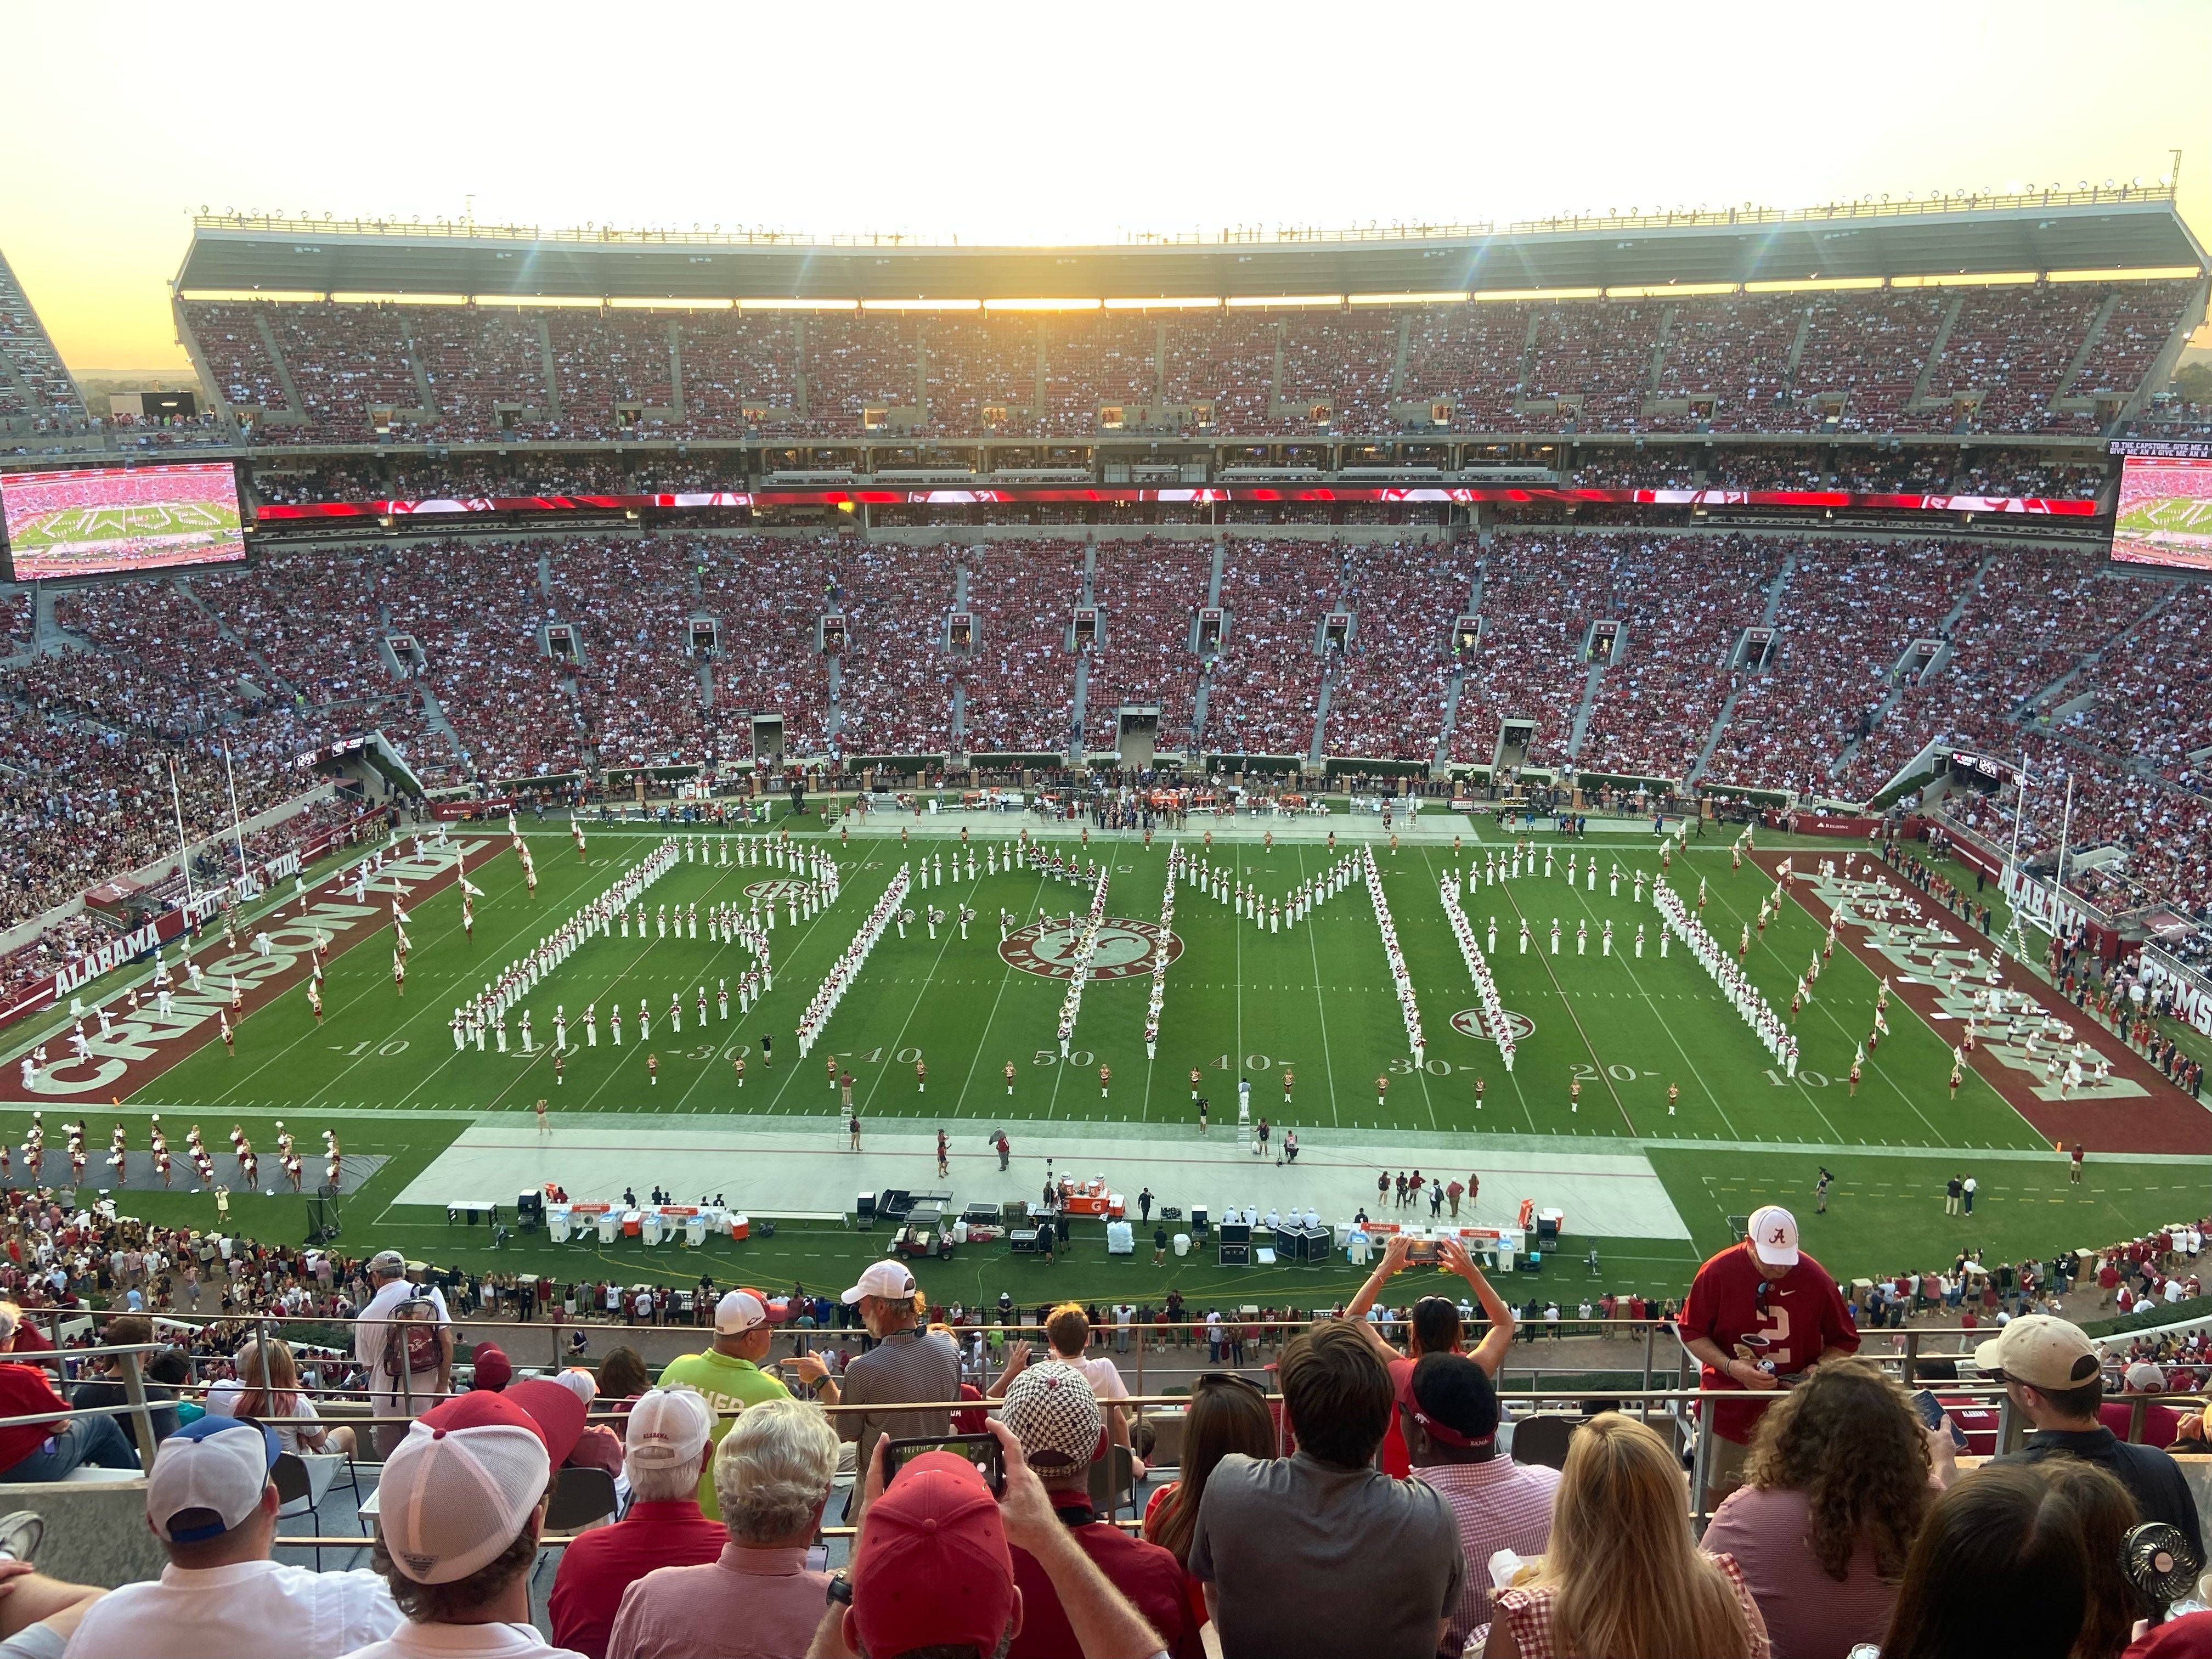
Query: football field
[[86, 527], [1639, 1101]]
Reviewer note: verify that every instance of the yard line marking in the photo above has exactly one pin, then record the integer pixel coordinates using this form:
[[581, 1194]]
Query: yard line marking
[[1874, 1061], [1564, 1002], [1006, 978], [1321, 1006], [1588, 910]]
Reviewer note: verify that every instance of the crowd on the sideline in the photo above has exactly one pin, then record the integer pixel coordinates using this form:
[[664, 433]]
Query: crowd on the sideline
[[1374, 1468]]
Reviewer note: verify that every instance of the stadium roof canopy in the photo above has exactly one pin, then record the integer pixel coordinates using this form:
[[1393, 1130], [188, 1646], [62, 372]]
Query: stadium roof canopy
[[2083, 230]]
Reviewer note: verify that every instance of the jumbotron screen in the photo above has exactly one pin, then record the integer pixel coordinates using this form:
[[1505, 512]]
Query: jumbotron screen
[[104, 521], [2165, 512]]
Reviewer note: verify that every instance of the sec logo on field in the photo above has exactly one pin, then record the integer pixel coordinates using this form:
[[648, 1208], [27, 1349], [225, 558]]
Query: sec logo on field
[[774, 892], [1470, 1022], [1125, 948]]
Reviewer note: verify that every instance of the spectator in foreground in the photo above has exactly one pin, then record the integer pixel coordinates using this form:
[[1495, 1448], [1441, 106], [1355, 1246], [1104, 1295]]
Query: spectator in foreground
[[2106, 1513], [933, 1572], [2000, 1567], [1228, 1415], [727, 1372], [1068, 1332], [459, 1510], [756, 1596], [1323, 1528], [1433, 1327], [39, 1614], [2052, 1375], [107, 1387], [1622, 1574], [906, 1363], [1841, 1475], [1762, 1297], [403, 1339], [667, 1442], [1060, 1425], [211, 1502], [48, 1450], [598, 1446], [1448, 1412], [489, 1369], [622, 1378], [245, 1395]]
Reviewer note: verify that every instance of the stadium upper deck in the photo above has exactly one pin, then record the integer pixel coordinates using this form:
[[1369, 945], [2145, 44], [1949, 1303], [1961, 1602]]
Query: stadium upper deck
[[1929, 318], [2106, 229]]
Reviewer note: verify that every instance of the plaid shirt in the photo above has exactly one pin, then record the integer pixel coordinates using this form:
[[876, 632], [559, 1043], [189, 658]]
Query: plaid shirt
[[1499, 1505], [1527, 1614]]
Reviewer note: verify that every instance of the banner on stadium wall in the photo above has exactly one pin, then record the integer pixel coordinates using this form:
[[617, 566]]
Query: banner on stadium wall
[[2062, 914], [139, 941], [2190, 990], [1211, 496], [449, 810], [1829, 823]]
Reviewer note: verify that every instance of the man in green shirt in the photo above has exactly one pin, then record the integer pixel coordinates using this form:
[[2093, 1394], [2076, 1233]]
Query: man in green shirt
[[728, 1374]]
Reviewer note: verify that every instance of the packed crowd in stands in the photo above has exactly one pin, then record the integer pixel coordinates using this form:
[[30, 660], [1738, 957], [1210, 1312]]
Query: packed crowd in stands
[[273, 659], [768, 596], [1656, 706], [1848, 612], [1262, 689], [1386, 696], [1020, 677], [1538, 595], [895, 675], [1722, 363], [1150, 593], [2031, 617], [638, 683]]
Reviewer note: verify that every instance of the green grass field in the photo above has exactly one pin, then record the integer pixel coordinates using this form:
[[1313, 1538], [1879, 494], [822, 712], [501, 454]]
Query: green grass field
[[2168, 512], [1315, 1000], [87, 526]]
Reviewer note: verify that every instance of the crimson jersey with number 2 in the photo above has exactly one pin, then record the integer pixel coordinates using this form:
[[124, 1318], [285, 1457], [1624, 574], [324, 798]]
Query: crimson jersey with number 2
[[1802, 1318]]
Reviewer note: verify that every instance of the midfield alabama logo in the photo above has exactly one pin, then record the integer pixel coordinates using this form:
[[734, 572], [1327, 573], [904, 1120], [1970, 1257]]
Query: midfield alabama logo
[[1470, 1022], [1125, 949], [776, 891]]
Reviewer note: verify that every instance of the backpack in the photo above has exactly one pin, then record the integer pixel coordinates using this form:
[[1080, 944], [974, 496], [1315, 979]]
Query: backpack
[[413, 1348]]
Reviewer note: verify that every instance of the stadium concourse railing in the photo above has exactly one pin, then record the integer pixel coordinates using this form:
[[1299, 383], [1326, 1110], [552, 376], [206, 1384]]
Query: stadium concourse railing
[[1666, 1389]]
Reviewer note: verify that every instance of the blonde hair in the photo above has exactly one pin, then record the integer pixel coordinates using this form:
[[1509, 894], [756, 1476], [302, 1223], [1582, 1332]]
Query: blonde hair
[[283, 1392], [1625, 1575]]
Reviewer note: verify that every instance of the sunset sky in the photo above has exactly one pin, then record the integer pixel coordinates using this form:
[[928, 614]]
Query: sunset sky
[[1030, 124]]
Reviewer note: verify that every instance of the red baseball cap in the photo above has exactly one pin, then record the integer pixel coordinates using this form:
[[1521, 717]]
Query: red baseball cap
[[538, 1404], [932, 1568]]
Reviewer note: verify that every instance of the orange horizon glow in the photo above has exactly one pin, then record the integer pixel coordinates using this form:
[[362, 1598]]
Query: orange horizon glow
[[95, 210]]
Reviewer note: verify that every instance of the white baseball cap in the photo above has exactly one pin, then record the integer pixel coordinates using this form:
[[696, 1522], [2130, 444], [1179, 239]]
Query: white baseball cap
[[739, 1311], [887, 1279], [210, 1474], [1773, 1235], [455, 1498], [2143, 1377], [668, 1428]]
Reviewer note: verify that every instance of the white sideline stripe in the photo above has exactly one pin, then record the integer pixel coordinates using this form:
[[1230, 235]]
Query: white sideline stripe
[[772, 1172]]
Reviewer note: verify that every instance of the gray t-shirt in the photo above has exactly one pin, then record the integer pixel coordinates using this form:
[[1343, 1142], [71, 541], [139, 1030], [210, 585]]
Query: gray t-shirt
[[1307, 1558]]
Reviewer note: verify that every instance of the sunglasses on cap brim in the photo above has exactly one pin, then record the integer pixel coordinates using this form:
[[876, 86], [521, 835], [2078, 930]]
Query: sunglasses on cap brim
[[1443, 1433]]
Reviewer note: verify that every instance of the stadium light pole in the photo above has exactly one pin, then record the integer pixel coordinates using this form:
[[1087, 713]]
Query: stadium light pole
[[2019, 808], [237, 829], [177, 805]]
